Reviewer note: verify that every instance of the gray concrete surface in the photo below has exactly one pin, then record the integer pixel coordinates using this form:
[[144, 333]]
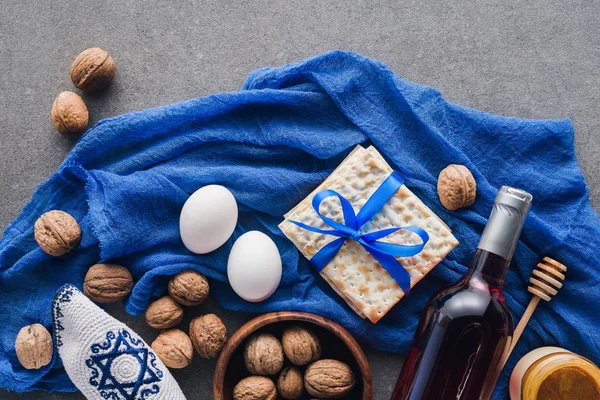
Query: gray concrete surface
[[529, 58]]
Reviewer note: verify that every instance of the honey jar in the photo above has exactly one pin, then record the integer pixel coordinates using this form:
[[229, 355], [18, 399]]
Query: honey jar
[[552, 373]]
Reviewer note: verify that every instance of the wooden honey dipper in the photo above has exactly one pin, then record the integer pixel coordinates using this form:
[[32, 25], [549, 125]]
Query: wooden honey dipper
[[545, 281]]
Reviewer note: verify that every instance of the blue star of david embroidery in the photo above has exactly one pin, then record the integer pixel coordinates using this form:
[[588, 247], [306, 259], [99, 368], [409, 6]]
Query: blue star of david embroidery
[[121, 347]]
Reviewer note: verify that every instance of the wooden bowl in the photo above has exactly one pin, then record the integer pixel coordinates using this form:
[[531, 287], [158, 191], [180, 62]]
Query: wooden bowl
[[336, 343]]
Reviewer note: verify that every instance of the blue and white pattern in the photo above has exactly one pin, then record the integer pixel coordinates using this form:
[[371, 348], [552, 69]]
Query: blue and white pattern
[[117, 364], [62, 296], [122, 367]]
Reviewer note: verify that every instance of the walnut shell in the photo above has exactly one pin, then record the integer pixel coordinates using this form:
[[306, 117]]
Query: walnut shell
[[300, 345], [93, 70], [456, 187], [263, 354], [174, 348], [255, 388], [328, 379], [107, 283], [290, 383], [69, 113], [208, 334], [189, 288], [164, 313], [34, 346], [57, 233]]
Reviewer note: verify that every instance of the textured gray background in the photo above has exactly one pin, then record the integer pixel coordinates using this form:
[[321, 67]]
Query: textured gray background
[[530, 59]]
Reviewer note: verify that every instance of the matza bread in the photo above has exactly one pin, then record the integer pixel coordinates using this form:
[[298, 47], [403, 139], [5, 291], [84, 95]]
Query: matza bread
[[354, 274]]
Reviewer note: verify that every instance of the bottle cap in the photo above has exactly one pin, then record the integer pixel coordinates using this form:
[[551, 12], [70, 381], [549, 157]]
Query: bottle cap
[[516, 198], [503, 229]]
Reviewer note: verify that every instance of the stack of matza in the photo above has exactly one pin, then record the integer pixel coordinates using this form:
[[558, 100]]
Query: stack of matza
[[354, 274]]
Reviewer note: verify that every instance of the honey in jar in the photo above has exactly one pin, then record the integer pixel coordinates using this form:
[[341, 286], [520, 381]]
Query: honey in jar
[[552, 373]]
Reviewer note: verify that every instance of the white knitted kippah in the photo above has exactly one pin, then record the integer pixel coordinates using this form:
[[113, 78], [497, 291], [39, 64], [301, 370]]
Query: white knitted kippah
[[103, 357]]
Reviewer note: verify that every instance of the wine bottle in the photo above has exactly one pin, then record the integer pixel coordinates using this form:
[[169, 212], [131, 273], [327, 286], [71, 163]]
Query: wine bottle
[[466, 327]]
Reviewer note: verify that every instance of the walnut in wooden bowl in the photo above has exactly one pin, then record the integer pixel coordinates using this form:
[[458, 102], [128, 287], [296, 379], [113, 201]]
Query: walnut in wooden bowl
[[335, 343]]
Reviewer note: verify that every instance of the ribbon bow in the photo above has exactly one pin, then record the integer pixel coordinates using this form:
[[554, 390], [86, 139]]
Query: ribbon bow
[[383, 252]]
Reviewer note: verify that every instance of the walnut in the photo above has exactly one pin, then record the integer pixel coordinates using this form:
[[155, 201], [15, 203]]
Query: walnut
[[456, 187], [69, 113], [107, 283], [164, 313], [208, 334], [263, 354], [174, 348], [189, 288], [255, 388], [328, 379], [57, 232], [290, 383], [93, 70], [34, 346], [301, 346]]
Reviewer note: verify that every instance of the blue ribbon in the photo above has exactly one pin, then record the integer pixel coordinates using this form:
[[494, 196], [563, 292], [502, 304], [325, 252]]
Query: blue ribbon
[[383, 252]]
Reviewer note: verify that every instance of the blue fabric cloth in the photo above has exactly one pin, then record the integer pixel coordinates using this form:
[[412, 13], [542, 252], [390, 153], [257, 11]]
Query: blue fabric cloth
[[271, 144]]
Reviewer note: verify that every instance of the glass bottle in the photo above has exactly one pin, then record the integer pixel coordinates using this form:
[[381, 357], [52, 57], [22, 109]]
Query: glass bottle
[[466, 327]]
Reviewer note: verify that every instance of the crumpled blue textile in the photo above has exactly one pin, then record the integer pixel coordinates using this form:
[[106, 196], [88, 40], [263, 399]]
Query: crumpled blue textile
[[271, 144]]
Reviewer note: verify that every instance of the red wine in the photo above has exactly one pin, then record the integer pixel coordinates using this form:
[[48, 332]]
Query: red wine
[[466, 327]]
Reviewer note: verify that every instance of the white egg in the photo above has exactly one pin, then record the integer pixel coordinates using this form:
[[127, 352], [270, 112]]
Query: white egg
[[254, 266], [208, 219]]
